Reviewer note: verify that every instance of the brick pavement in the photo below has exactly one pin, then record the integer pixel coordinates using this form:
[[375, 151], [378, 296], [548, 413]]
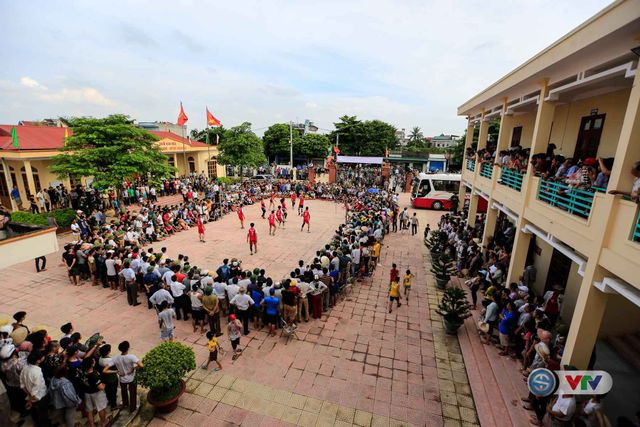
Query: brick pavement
[[358, 365]]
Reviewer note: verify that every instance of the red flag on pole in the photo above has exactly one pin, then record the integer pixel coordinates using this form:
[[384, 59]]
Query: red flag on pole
[[212, 121], [182, 117], [336, 149]]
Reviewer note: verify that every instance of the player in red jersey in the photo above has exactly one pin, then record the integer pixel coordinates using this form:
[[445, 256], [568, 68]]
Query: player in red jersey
[[301, 205], [279, 217], [272, 224], [241, 216], [252, 238], [201, 228], [306, 216], [293, 200], [263, 207]]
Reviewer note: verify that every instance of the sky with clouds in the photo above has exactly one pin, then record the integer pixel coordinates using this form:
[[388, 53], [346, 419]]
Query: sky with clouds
[[408, 62]]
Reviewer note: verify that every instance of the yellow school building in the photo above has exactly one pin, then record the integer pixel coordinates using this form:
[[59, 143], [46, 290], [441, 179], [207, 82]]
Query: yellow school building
[[28, 165], [582, 94]]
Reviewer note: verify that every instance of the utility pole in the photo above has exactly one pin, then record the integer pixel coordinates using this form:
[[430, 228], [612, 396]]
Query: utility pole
[[291, 146]]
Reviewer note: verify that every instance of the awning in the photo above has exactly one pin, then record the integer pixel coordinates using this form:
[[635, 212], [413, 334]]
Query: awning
[[361, 160]]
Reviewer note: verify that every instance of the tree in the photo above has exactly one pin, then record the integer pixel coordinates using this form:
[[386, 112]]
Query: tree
[[111, 150], [215, 134], [368, 138], [312, 146], [241, 147], [346, 133], [276, 140], [416, 139], [376, 137]]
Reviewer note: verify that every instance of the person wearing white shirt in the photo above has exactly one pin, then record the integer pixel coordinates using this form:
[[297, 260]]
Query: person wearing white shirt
[[32, 383], [166, 277], [160, 296], [181, 300], [243, 303], [232, 291], [220, 289], [304, 288]]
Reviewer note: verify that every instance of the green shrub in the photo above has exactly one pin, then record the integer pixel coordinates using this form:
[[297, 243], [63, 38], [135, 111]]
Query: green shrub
[[29, 218], [64, 217], [454, 306], [164, 367], [229, 180]]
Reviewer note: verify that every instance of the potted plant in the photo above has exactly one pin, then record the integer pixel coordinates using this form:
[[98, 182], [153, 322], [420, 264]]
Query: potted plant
[[453, 308], [164, 369], [435, 243], [442, 269]]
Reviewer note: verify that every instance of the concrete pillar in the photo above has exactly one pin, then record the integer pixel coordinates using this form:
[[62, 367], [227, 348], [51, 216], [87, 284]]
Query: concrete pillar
[[506, 124], [469, 137], [473, 210], [462, 193], [332, 173], [628, 149], [30, 182], [484, 133], [408, 183], [543, 123], [175, 163], [587, 317], [10, 183], [489, 224], [519, 252]]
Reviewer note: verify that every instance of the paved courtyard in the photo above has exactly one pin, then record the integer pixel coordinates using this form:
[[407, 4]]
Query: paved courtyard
[[358, 365]]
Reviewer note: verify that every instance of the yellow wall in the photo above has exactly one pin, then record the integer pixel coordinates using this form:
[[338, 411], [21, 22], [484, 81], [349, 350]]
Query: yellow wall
[[526, 120], [541, 262], [571, 294], [621, 317], [567, 118]]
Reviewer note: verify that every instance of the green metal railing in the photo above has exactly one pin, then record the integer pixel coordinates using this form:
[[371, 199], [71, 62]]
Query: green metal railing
[[471, 165], [636, 230], [486, 170], [575, 201], [511, 178]]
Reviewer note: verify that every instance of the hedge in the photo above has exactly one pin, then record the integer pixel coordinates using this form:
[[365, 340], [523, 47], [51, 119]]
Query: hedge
[[229, 180], [64, 217]]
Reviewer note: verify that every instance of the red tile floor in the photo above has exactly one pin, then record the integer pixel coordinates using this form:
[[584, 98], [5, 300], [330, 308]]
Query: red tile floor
[[358, 365]]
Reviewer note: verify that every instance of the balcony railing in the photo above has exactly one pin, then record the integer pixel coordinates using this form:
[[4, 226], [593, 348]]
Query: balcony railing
[[486, 170], [573, 200], [636, 230], [471, 165], [511, 178]]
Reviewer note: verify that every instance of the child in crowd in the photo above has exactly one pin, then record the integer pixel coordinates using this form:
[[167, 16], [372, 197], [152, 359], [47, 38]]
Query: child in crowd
[[213, 347]]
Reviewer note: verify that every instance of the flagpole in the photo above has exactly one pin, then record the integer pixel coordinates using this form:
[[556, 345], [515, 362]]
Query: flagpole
[[208, 150]]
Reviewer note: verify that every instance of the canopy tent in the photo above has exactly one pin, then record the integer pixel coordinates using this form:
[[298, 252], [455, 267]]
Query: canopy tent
[[360, 160]]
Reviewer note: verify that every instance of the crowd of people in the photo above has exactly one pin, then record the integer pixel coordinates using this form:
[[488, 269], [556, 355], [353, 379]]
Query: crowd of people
[[523, 325], [71, 377]]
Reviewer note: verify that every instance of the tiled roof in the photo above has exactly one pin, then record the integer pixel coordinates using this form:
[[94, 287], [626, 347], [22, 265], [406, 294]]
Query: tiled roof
[[52, 138]]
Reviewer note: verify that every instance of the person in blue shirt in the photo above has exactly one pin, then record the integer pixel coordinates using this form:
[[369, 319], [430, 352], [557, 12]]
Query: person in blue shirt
[[507, 321], [150, 281], [256, 311], [271, 304]]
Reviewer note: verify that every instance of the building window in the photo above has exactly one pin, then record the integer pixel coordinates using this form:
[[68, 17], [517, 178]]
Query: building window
[[171, 161], [192, 164], [36, 179], [212, 168], [516, 136]]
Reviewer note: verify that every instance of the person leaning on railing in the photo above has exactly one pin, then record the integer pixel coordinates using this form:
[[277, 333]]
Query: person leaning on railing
[[634, 194]]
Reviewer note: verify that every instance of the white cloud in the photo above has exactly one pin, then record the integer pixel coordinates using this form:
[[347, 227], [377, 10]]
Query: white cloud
[[31, 83], [86, 95], [409, 62]]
